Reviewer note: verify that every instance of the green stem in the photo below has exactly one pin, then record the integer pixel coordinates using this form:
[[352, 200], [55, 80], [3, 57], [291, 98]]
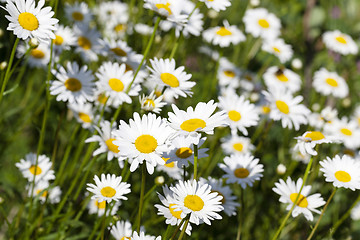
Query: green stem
[[178, 227], [4, 215], [7, 73], [306, 174], [322, 213], [143, 178], [175, 46], [344, 217], [103, 222], [184, 229], [241, 212], [195, 161]]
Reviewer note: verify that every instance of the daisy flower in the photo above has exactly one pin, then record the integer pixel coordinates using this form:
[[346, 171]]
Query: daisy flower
[[224, 36], [119, 50], [73, 84], [168, 9], [298, 156], [117, 28], [41, 190], [78, 12], [109, 11], [28, 21], [241, 113], [151, 103], [279, 48], [327, 83], [105, 139], [196, 120], [98, 207], [346, 131], [342, 171], [143, 29], [326, 116], [183, 151], [260, 23], [228, 74], [114, 81], [275, 77], [170, 168], [142, 236], [121, 230], [42, 171], [229, 201], [217, 5], [64, 38], [84, 113], [88, 42], [196, 199], [165, 74], [108, 188], [143, 139], [340, 42], [243, 169], [167, 209], [236, 144], [38, 57], [287, 108], [306, 203], [309, 140]]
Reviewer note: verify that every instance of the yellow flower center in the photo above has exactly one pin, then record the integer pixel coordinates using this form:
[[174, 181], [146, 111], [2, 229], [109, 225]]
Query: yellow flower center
[[176, 214], [281, 77], [241, 172], [238, 147], [78, 16], [119, 28], [277, 50], [193, 124], [264, 23], [44, 194], [315, 136], [223, 200], [169, 165], [234, 115], [193, 202], [170, 79], [100, 205], [73, 84], [32, 170], [125, 238], [58, 40], [112, 147], [119, 52], [102, 98], [116, 84], [28, 21], [266, 109], [343, 176], [146, 143], [84, 43], [164, 6], [302, 201], [341, 39], [282, 106], [223, 32], [37, 53], [108, 192], [229, 73], [149, 102], [184, 152], [332, 82], [346, 131], [84, 117]]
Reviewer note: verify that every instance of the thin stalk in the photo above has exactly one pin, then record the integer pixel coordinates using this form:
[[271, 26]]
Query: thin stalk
[[306, 174], [143, 177], [173, 51], [241, 212], [149, 192], [103, 222], [7, 73], [195, 161], [322, 213], [178, 227], [4, 216], [184, 229]]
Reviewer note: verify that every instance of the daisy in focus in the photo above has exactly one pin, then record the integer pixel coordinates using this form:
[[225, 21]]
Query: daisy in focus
[[306, 203], [279, 48], [28, 21], [196, 199], [342, 171], [42, 171], [151, 103], [309, 140], [327, 83], [284, 78], [121, 230], [260, 23], [340, 42], [143, 139], [224, 36], [243, 169], [109, 188]]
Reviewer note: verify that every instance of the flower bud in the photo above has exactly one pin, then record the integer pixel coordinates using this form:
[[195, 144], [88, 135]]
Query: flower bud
[[281, 169], [160, 180], [34, 43]]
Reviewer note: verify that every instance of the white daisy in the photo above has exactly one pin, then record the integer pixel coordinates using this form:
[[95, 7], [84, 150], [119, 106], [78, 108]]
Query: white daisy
[[84, 113], [217, 5], [73, 84], [168, 9], [243, 169], [142, 236], [171, 169], [229, 201], [340, 42], [327, 83], [228, 74], [88, 42], [224, 36], [298, 156], [275, 77], [78, 12], [143, 139], [151, 103], [309, 140], [342, 171], [117, 28], [196, 199], [42, 171], [121, 230], [41, 190], [279, 48], [64, 38], [236, 144], [109, 11], [326, 116], [119, 50], [176, 80], [28, 21], [108, 188], [38, 57], [260, 23], [346, 131], [143, 29], [306, 203], [98, 207], [287, 108], [241, 113], [114, 81]]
